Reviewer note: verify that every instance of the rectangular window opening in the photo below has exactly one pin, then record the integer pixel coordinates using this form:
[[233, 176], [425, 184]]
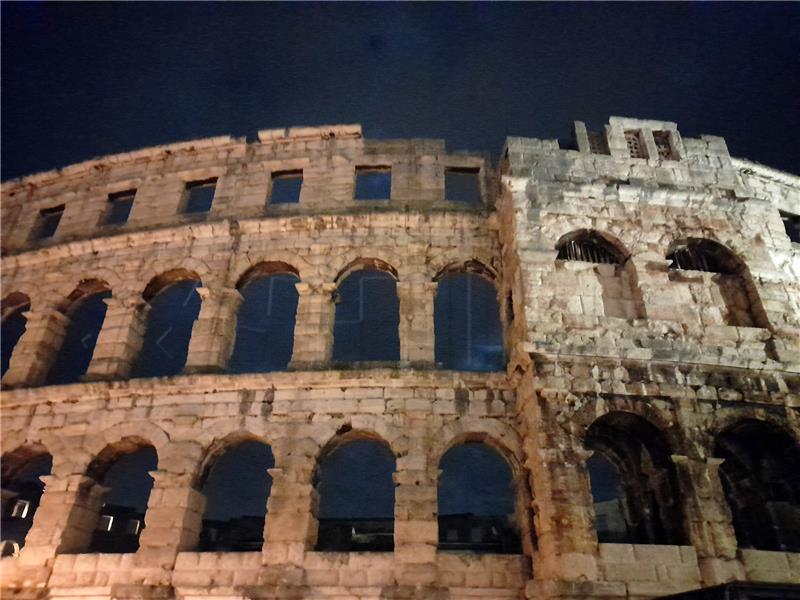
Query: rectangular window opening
[[633, 137], [200, 195], [373, 183], [791, 224], [105, 523], [663, 145], [20, 509], [119, 207], [286, 186], [49, 218], [462, 185], [598, 143]]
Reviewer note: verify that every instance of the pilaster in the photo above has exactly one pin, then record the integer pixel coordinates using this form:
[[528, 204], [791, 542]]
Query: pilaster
[[36, 350], [214, 331], [313, 330], [120, 339], [416, 322]]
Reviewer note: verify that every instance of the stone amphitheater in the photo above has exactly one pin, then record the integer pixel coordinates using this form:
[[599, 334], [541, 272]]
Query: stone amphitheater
[[629, 384]]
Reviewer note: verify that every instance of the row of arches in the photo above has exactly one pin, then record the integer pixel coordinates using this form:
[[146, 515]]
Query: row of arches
[[632, 479], [740, 301], [467, 329], [353, 479]]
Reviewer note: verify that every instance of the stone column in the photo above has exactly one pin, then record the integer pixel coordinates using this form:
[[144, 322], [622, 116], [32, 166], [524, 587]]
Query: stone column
[[120, 339], [562, 505], [313, 330], [291, 525], [173, 520], [417, 338], [66, 518], [37, 348], [214, 331], [416, 531], [708, 517]]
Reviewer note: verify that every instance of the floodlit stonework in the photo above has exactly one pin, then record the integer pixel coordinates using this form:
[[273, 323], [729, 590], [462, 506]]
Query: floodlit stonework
[[649, 299]]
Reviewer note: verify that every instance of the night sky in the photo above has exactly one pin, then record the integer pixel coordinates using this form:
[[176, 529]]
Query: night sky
[[84, 80]]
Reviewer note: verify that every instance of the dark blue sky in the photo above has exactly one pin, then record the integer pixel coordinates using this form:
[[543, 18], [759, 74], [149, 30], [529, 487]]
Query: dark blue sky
[[84, 80]]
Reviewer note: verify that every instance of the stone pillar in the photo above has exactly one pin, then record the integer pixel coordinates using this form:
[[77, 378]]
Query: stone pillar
[[708, 517], [120, 339], [37, 348], [417, 338], [291, 525], [66, 518], [416, 531], [173, 520], [214, 331], [562, 505], [313, 330]]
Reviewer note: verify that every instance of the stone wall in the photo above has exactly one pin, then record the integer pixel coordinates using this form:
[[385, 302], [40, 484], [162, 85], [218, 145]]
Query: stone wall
[[583, 340]]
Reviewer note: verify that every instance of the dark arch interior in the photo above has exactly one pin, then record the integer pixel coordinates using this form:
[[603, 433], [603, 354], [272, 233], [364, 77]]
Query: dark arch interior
[[22, 492], [761, 479], [13, 325], [173, 311], [122, 515], [476, 501], [356, 497], [265, 324], [86, 316], [468, 334], [633, 482], [367, 318], [236, 488], [589, 246]]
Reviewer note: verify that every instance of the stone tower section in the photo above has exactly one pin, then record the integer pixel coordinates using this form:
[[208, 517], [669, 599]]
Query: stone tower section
[[573, 375], [656, 337]]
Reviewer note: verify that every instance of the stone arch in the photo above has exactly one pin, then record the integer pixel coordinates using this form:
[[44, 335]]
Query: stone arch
[[480, 262], [160, 282], [633, 481], [22, 471], [761, 483], [492, 432], [741, 303], [367, 264], [219, 446], [161, 270], [14, 322], [367, 313], [293, 261], [610, 287], [14, 460], [264, 269], [470, 265], [142, 431], [124, 464], [352, 517]]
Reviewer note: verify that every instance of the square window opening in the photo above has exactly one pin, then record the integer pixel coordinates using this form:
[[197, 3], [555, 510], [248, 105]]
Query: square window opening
[[105, 523], [49, 218], [199, 196], [663, 145], [373, 183], [119, 207], [286, 186], [20, 509], [598, 143], [462, 185], [791, 224], [633, 137]]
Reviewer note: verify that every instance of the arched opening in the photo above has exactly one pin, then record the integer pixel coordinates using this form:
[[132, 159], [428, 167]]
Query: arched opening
[[761, 479], [633, 483], [236, 486], [22, 490], [174, 307], [14, 307], [124, 468], [86, 310], [738, 300], [356, 496], [608, 285], [476, 501], [468, 334], [265, 320], [367, 314]]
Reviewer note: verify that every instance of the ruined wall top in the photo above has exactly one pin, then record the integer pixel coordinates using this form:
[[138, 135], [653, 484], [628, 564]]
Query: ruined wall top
[[323, 161]]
